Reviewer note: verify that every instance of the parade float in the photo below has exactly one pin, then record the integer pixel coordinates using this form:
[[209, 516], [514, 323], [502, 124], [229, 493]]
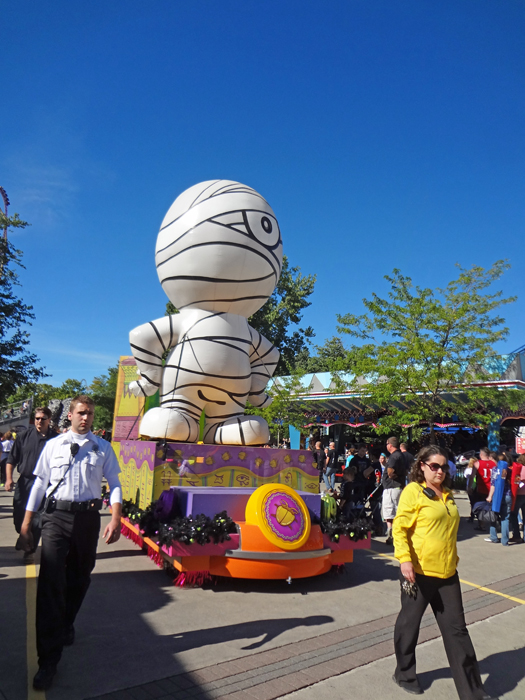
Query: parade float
[[201, 491]]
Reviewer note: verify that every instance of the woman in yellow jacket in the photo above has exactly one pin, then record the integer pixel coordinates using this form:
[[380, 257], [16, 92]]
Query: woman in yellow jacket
[[425, 532]]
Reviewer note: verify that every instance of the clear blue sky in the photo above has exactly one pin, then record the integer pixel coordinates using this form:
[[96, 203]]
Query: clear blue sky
[[383, 133]]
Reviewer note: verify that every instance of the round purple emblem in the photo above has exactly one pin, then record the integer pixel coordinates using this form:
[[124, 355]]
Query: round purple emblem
[[283, 516]]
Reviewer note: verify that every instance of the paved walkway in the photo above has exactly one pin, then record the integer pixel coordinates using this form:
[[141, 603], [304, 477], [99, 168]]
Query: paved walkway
[[139, 637]]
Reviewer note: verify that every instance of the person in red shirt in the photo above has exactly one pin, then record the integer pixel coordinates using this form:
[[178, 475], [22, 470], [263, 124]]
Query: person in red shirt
[[484, 467], [518, 498]]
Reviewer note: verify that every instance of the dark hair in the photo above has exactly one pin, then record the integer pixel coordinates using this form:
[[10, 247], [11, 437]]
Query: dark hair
[[485, 451], [43, 409], [505, 457], [349, 470], [416, 473], [393, 441], [81, 398]]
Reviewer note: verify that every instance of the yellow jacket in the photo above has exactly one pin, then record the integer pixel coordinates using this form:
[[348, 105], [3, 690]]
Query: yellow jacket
[[425, 531]]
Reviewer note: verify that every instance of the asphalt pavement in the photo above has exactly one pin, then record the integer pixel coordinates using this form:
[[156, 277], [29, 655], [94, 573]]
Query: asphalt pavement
[[140, 637]]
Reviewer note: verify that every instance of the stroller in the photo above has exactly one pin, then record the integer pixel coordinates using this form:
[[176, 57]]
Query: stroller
[[368, 507]]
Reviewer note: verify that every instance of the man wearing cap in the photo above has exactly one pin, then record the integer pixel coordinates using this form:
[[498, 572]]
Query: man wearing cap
[[69, 474]]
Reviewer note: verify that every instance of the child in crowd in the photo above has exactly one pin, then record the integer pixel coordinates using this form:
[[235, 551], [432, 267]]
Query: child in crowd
[[347, 493]]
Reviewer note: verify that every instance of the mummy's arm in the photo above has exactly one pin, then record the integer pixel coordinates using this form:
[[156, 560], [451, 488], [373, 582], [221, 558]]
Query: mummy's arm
[[148, 344], [263, 358]]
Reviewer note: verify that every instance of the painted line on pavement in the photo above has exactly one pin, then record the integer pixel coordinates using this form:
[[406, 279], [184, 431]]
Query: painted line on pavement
[[467, 583], [32, 660], [491, 590]]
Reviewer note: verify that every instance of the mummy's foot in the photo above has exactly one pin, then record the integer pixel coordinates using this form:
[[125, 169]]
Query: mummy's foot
[[169, 424], [244, 430]]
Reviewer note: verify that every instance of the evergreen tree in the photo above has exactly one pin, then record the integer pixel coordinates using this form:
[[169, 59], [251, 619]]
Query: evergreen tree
[[18, 366]]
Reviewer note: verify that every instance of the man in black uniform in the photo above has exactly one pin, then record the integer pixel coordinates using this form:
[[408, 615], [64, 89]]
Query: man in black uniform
[[24, 455]]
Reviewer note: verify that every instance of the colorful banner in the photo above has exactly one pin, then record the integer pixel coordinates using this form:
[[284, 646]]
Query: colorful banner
[[148, 468], [128, 408]]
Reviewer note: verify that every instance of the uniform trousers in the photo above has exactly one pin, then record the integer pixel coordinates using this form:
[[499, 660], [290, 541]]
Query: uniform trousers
[[21, 496], [69, 547], [444, 597]]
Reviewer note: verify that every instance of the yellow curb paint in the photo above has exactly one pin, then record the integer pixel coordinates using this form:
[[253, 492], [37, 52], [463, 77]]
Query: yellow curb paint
[[32, 660], [467, 583], [490, 590]]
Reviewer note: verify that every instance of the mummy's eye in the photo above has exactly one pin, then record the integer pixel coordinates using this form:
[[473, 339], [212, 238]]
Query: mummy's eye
[[263, 227]]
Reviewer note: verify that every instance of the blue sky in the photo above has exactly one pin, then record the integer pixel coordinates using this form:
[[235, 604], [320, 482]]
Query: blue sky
[[383, 133]]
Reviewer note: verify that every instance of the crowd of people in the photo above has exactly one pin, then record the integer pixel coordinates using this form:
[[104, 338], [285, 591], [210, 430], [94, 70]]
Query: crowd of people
[[495, 485]]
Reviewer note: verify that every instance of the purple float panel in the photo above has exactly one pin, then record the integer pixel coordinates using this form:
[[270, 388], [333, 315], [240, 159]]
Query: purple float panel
[[210, 501]]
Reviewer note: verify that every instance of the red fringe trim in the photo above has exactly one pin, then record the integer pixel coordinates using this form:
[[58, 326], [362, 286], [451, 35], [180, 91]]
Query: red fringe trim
[[131, 535], [156, 557], [192, 579], [338, 568]]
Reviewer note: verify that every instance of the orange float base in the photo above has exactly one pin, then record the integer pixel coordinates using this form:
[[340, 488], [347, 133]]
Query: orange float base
[[245, 562]]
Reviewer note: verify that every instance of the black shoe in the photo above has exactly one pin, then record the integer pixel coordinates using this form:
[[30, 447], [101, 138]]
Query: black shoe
[[413, 688], [389, 540], [43, 679], [69, 637]]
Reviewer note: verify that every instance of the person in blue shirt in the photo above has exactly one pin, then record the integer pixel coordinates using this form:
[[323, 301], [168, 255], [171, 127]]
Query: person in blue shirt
[[500, 496]]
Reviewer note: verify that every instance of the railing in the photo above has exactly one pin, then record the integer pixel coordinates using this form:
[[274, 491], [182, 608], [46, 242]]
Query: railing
[[15, 414]]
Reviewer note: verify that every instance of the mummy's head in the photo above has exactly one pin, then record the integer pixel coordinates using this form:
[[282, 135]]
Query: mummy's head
[[219, 248]]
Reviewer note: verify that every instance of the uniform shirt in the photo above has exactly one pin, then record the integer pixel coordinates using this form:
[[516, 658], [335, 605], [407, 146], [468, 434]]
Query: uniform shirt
[[83, 480], [27, 448]]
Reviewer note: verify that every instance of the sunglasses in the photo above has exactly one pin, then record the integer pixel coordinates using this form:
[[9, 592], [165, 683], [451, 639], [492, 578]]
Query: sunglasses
[[435, 466], [41, 418]]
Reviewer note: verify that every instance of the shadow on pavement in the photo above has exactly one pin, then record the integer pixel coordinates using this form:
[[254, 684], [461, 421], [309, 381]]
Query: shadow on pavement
[[506, 669], [271, 629]]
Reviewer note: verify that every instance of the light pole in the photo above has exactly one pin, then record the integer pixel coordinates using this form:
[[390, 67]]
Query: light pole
[[6, 204]]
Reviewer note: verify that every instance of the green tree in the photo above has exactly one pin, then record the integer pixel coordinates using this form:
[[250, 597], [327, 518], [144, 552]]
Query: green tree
[[282, 412], [18, 365], [283, 310], [419, 344], [277, 318], [103, 390], [330, 357]]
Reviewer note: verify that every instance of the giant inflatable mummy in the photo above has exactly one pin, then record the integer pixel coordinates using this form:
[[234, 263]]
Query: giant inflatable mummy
[[218, 258]]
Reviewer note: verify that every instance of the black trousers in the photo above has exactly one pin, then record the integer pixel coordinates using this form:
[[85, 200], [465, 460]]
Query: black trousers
[[69, 547], [444, 597], [21, 496]]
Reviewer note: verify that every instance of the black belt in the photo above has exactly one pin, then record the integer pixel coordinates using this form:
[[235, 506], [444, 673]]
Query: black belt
[[78, 506]]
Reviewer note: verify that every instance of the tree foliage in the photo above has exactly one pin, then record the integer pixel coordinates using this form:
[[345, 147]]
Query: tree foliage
[[102, 390], [330, 357], [419, 344], [18, 365], [282, 312], [282, 412]]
